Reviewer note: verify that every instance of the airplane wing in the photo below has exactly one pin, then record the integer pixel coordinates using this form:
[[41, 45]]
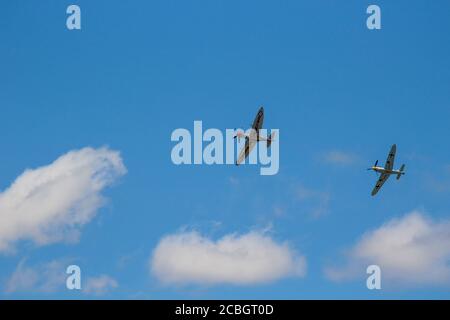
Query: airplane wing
[[248, 147], [259, 119], [380, 182], [391, 157]]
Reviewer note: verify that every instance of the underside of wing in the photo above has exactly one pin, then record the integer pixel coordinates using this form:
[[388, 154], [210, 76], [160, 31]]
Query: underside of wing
[[390, 159], [380, 183], [248, 147]]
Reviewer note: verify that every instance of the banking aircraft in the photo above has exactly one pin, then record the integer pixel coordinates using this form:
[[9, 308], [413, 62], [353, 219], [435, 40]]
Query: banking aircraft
[[253, 137], [387, 170]]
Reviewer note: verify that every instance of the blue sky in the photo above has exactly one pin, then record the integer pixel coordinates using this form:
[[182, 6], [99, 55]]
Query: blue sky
[[135, 72]]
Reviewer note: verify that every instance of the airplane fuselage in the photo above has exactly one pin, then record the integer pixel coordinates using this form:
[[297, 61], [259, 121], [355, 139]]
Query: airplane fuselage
[[383, 170]]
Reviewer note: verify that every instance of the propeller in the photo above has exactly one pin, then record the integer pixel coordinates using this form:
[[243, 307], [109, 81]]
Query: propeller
[[371, 168]]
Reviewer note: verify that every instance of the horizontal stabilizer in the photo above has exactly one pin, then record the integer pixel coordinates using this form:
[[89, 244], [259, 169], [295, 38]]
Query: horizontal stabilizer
[[402, 169], [270, 139]]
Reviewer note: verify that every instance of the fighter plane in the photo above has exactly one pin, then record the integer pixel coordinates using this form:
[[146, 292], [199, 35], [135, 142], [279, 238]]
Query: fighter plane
[[253, 137], [387, 170]]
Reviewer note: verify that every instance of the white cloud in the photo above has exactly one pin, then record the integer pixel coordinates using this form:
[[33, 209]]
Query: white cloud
[[45, 277], [100, 285], [51, 203], [340, 158], [412, 250], [250, 258]]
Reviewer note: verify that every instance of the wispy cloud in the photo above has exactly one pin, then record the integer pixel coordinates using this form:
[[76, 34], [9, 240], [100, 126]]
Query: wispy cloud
[[51, 203], [412, 250], [51, 276], [100, 285], [252, 258], [45, 277], [233, 181], [341, 158], [317, 200], [438, 181]]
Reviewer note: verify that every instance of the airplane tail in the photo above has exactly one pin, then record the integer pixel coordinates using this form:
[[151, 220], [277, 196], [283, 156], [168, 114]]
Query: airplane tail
[[270, 139], [402, 169]]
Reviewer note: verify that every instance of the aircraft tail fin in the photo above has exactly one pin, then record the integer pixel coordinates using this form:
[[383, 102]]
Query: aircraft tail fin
[[402, 169], [270, 139]]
